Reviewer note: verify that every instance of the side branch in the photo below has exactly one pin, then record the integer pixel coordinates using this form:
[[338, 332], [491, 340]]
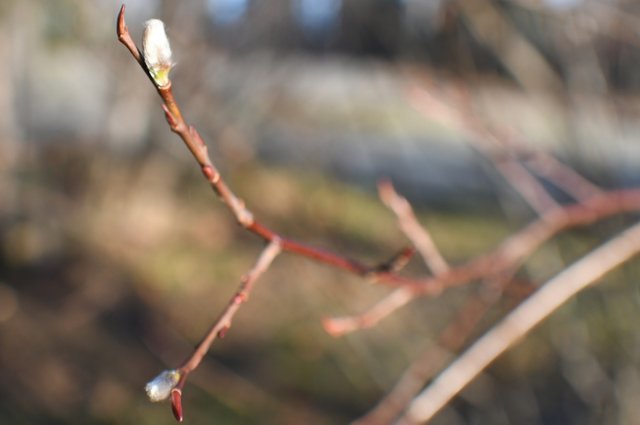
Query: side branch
[[222, 324], [220, 327]]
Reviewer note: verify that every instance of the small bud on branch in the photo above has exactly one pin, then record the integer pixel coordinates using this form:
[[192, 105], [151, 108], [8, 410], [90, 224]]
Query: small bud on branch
[[159, 388], [157, 52]]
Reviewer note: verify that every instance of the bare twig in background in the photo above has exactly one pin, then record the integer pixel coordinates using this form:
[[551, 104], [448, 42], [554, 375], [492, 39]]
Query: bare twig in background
[[516, 248], [423, 242], [434, 357], [497, 265], [455, 109], [338, 326], [493, 29], [417, 234], [563, 177], [526, 185], [520, 321]]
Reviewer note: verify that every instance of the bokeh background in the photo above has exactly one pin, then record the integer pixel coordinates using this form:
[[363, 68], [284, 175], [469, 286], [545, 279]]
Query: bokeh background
[[115, 257]]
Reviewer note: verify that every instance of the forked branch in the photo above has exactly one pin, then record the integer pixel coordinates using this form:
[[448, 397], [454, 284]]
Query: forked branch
[[499, 265]]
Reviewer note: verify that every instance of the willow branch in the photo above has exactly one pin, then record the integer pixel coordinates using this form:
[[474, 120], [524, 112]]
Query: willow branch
[[219, 327], [195, 144]]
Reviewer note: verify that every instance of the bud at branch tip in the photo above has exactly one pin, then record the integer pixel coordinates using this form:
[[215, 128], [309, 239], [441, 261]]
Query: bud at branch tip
[[156, 52]]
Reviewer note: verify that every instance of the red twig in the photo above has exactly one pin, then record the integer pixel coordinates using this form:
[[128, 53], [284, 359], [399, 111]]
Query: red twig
[[223, 323], [338, 326], [421, 239]]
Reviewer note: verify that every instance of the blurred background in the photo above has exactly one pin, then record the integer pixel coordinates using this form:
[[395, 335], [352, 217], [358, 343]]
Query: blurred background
[[115, 256]]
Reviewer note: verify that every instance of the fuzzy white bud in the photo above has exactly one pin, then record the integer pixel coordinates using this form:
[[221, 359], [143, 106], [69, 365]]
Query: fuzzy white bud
[[159, 388], [156, 51]]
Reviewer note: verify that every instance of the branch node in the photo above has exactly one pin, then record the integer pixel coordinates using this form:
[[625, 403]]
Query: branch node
[[171, 119], [223, 332], [212, 175], [243, 215], [196, 136]]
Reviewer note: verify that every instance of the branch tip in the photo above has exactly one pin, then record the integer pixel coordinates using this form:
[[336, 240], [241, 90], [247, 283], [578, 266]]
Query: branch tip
[[176, 404], [385, 190], [335, 326], [121, 28]]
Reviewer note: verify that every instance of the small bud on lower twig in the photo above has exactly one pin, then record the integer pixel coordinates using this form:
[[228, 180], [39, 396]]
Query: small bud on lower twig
[[159, 388], [157, 52]]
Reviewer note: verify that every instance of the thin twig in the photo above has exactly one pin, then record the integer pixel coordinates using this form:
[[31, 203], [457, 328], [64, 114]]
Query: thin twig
[[610, 203], [490, 144], [421, 239], [563, 177], [504, 260], [526, 185], [520, 321], [408, 223], [222, 324], [338, 326], [432, 358], [515, 249]]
